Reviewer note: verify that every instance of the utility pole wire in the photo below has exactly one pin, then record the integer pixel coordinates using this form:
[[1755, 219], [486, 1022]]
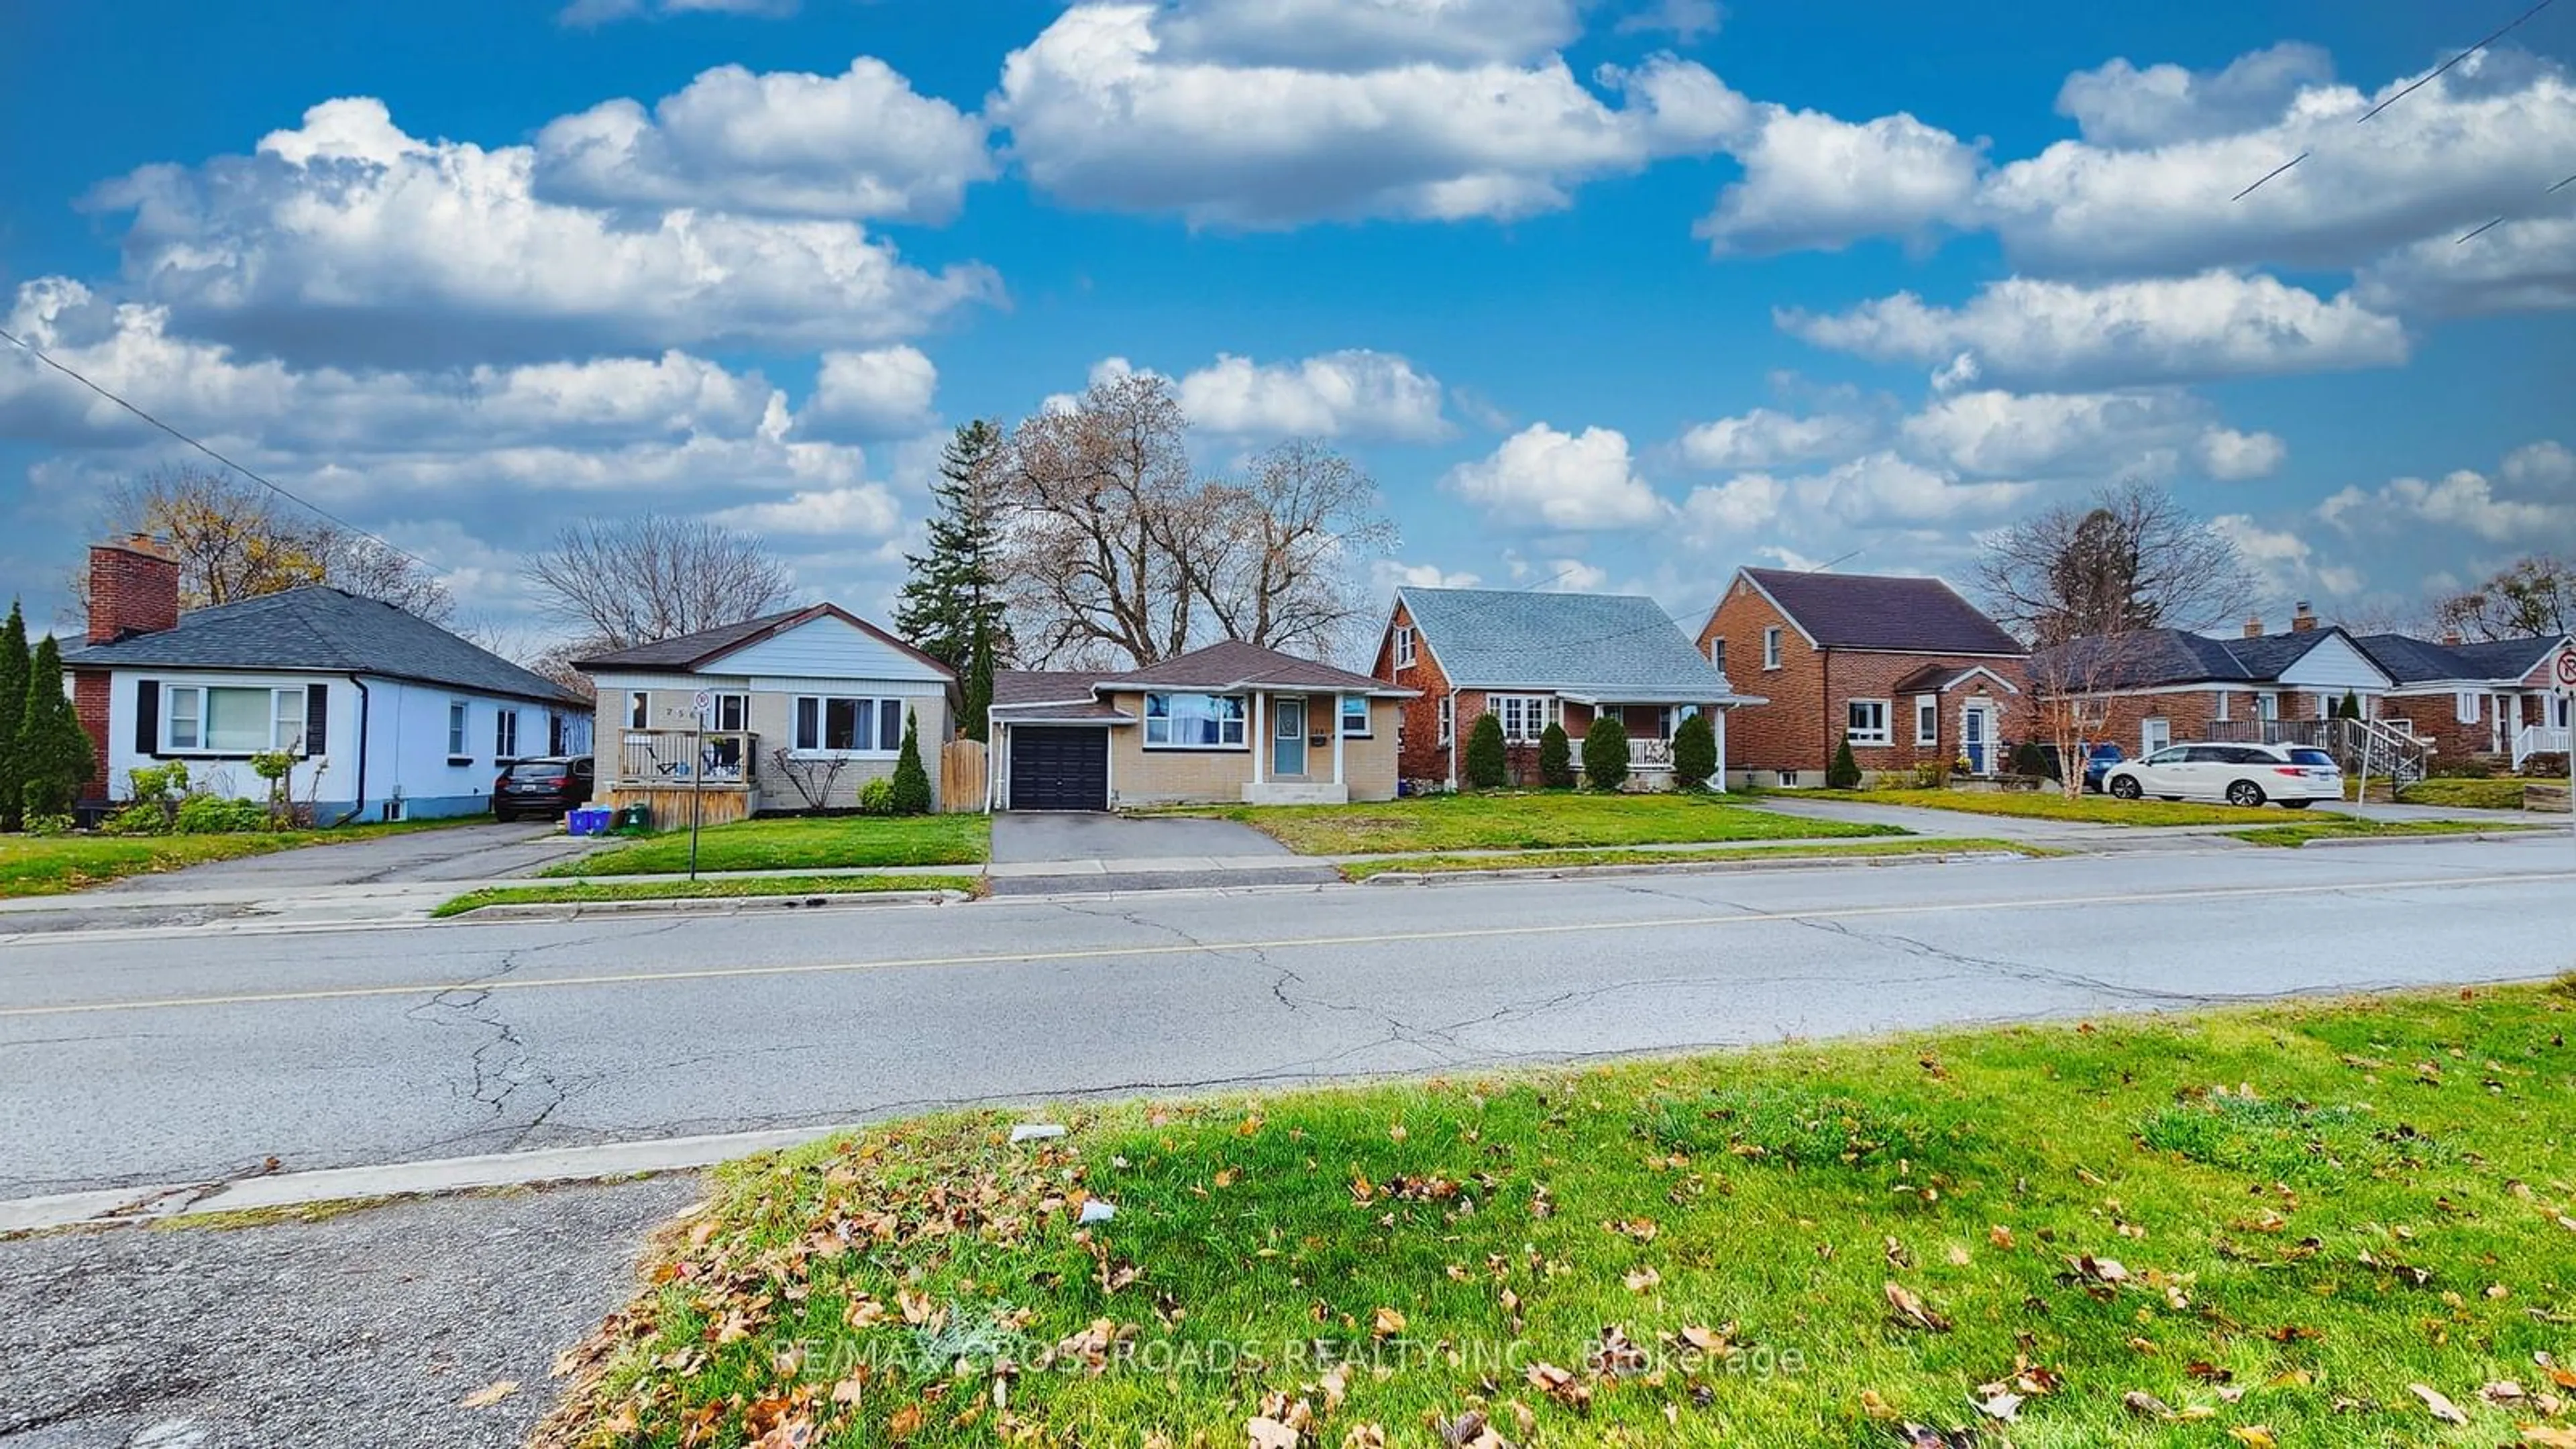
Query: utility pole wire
[[279, 489], [2418, 84]]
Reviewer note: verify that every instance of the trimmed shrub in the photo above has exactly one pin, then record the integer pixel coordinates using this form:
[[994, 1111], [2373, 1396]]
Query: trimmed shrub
[[1488, 762], [2029, 759], [1555, 759], [1695, 752], [1605, 753], [911, 781], [137, 819], [876, 797], [220, 815], [1844, 774], [49, 825], [2351, 706]]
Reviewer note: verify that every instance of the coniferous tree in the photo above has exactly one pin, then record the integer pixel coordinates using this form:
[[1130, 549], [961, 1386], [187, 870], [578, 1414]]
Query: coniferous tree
[[1695, 752], [1555, 758], [911, 795], [14, 667], [54, 758], [1488, 759], [1605, 753], [1844, 774], [2351, 706], [952, 608]]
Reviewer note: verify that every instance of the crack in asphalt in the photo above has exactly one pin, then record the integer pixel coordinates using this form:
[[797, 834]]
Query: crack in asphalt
[[501, 1067]]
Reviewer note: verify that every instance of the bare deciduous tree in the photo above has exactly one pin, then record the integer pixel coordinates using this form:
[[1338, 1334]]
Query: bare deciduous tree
[[234, 541], [1117, 552], [2087, 587], [626, 581], [2533, 598]]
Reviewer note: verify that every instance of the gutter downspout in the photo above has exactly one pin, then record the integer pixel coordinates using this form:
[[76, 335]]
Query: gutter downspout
[[359, 807]]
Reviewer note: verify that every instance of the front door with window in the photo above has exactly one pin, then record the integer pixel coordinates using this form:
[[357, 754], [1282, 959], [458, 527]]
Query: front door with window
[[1976, 733], [1288, 745], [2154, 735]]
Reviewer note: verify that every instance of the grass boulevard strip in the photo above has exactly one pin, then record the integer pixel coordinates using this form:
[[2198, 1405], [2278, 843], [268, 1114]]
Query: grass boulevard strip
[[1293, 943], [816, 887], [1545, 860], [2343, 1222]]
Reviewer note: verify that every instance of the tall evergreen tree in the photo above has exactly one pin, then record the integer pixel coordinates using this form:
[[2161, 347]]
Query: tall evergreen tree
[[952, 607], [54, 758], [14, 666]]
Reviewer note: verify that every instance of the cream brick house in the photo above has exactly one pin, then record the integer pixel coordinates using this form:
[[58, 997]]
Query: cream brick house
[[803, 709], [1230, 723]]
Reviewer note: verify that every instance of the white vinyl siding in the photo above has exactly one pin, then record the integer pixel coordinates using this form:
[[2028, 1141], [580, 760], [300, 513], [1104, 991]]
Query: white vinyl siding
[[1194, 722], [1866, 722]]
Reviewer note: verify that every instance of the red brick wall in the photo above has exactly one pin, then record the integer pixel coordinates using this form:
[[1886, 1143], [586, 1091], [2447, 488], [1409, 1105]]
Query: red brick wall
[[131, 592], [2190, 714], [89, 701], [2436, 717], [1420, 755]]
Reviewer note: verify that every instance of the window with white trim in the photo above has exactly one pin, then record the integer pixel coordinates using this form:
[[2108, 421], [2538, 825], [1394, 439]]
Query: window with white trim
[[1927, 719], [505, 735], [1448, 718], [830, 724], [1771, 647], [1355, 716], [2226, 700], [639, 710], [731, 712], [2465, 707], [205, 719], [1525, 716], [457, 711], [1194, 721], [1403, 646], [1865, 722], [2267, 706]]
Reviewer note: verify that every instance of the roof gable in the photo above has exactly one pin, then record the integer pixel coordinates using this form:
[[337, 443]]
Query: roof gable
[[322, 629], [2409, 660], [727, 643], [826, 644], [1890, 614], [1232, 662], [1621, 645]]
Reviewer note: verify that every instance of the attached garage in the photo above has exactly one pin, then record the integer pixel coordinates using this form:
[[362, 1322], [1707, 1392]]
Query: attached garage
[[1059, 767]]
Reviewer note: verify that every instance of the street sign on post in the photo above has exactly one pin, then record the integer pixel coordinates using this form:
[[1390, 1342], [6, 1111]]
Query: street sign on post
[[2567, 670], [702, 707]]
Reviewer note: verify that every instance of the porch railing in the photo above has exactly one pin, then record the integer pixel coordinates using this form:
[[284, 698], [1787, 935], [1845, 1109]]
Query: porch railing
[[2539, 740], [676, 759], [1646, 754], [2388, 745]]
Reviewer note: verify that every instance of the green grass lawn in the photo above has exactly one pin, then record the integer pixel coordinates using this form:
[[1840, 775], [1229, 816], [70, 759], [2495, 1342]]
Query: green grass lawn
[[2230, 1229], [1527, 821], [2344, 827], [592, 892], [2466, 794], [802, 843], [2050, 805], [32, 865], [1563, 859]]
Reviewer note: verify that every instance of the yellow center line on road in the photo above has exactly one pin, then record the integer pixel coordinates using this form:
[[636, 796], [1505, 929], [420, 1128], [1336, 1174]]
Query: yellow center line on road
[[1294, 943]]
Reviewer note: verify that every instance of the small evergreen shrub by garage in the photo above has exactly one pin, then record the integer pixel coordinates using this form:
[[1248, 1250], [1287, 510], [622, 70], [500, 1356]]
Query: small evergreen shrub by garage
[[1488, 767], [1605, 753], [2032, 761], [1845, 771], [1555, 759], [911, 781], [1695, 752]]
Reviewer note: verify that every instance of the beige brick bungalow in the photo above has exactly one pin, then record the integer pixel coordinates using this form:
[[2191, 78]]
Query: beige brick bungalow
[[1231, 723]]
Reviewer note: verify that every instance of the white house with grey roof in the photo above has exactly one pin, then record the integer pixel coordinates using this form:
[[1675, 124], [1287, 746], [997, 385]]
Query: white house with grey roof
[[1535, 659], [388, 716]]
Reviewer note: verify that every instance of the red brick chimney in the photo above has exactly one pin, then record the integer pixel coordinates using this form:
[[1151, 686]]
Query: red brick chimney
[[133, 589], [2254, 627], [2305, 620], [2451, 637]]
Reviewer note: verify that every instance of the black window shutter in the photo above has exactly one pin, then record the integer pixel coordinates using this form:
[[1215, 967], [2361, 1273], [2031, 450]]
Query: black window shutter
[[317, 719], [147, 717]]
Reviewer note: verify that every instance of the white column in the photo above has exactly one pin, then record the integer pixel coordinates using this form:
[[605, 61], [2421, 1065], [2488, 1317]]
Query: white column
[[1337, 739], [1718, 723], [1260, 736]]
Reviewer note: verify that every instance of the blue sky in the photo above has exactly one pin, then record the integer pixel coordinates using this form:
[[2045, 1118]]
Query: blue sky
[[1620, 294]]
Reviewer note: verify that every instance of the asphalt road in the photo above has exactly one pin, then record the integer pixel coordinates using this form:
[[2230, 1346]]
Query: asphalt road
[[149, 1057]]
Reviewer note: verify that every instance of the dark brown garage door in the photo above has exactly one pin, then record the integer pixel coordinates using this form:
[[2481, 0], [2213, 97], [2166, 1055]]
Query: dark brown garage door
[[1055, 768]]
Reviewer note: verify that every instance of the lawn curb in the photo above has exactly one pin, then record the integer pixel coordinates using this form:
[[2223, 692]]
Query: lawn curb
[[1683, 867], [703, 905], [2437, 837]]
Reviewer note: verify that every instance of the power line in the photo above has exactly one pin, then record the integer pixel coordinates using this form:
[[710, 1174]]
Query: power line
[[2418, 84], [281, 490]]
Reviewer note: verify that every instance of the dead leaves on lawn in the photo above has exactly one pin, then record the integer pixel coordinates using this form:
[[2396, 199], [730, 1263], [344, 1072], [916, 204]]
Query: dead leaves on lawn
[[1908, 1310]]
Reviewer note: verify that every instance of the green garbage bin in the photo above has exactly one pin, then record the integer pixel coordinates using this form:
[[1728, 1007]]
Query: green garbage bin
[[635, 818]]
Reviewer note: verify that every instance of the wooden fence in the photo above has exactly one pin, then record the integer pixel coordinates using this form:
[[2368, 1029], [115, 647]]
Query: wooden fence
[[961, 776]]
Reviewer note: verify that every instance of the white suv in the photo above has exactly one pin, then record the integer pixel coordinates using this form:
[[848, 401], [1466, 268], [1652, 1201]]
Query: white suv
[[2292, 775]]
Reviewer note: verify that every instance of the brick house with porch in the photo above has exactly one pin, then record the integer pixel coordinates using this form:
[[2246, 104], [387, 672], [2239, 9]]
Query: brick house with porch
[[2172, 685], [1905, 668], [1535, 659], [2467, 700]]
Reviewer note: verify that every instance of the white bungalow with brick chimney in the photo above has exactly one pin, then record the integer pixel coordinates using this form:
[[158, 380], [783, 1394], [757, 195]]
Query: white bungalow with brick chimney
[[389, 716]]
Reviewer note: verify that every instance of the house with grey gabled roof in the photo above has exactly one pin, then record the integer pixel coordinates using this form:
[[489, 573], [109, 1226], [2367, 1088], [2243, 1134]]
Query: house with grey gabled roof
[[387, 715], [1536, 659], [2497, 697]]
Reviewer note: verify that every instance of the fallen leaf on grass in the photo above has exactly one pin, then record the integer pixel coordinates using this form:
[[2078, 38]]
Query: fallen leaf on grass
[[490, 1394], [2544, 1437], [1560, 1385], [2442, 1408], [2003, 1408], [1912, 1312], [1386, 1323], [1644, 1280], [2502, 1391], [2253, 1436], [1267, 1433], [2145, 1405], [904, 1422]]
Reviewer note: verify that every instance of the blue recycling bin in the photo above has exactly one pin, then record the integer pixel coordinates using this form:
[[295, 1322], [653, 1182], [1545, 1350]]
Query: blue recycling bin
[[589, 820]]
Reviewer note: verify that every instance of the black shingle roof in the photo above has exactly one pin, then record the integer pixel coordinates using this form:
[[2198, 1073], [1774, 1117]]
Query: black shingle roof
[[1875, 611], [690, 651], [322, 629], [2409, 660]]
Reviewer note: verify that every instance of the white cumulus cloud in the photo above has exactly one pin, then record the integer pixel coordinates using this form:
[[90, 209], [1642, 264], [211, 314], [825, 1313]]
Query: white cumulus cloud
[[1542, 479], [1349, 394], [2025, 435], [2537, 512], [2231, 456], [1768, 438], [2120, 104], [884, 392], [1813, 181]]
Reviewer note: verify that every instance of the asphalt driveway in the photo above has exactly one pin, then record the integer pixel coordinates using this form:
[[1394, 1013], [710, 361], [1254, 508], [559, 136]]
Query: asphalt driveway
[[1020, 839], [482, 851]]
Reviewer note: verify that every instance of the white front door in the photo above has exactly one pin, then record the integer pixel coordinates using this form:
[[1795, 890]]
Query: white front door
[[2155, 734]]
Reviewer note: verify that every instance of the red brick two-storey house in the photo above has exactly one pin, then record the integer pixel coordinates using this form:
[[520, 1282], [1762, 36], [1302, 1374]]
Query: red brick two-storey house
[[1906, 669]]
